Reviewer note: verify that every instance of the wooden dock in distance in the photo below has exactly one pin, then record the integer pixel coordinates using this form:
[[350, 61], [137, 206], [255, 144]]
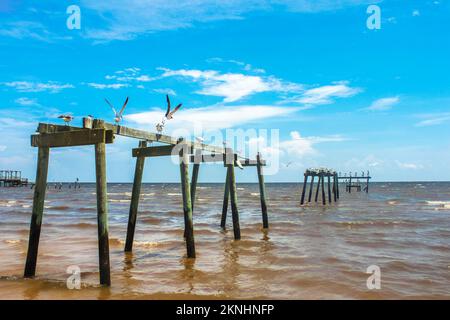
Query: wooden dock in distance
[[12, 178], [97, 133], [355, 181], [322, 174]]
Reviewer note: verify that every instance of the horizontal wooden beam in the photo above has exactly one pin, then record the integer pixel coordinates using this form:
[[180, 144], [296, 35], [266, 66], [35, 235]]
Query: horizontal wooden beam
[[157, 151], [72, 138], [55, 128], [355, 177], [151, 136]]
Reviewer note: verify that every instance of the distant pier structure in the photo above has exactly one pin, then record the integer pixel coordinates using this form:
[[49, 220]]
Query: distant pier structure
[[355, 181], [12, 178], [321, 174]]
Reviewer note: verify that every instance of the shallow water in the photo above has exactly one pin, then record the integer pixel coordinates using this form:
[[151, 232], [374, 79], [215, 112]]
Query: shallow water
[[310, 252]]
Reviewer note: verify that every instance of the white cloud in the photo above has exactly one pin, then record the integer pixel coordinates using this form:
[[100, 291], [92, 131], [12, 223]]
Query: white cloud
[[2, 148], [28, 30], [129, 75], [416, 13], [384, 104], [103, 86], [27, 86], [143, 17], [210, 118], [326, 94], [434, 119], [26, 102], [232, 86], [168, 91], [410, 166]]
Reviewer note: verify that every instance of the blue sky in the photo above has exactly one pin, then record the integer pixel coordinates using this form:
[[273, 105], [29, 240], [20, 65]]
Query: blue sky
[[341, 95]]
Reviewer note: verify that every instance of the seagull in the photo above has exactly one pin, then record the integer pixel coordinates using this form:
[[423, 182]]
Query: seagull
[[66, 117], [288, 164], [169, 114], [239, 164], [117, 115], [200, 139]]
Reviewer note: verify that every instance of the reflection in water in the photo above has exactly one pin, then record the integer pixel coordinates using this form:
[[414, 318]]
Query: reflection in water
[[308, 252]]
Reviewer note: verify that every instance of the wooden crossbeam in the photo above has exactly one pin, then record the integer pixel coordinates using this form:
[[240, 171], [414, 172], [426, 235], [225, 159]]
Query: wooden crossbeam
[[157, 151], [72, 138], [55, 128], [151, 136]]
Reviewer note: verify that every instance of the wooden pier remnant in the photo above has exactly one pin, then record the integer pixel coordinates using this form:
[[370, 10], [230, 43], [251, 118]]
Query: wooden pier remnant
[[97, 133], [12, 178], [355, 181], [321, 173]]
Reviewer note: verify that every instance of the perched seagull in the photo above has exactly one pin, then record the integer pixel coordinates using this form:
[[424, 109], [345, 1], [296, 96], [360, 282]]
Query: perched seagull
[[239, 164], [66, 117], [117, 115]]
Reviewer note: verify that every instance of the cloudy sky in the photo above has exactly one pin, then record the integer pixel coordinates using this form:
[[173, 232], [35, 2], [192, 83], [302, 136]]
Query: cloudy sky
[[339, 94]]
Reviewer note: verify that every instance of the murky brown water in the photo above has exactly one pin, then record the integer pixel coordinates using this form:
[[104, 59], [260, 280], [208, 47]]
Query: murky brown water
[[312, 252]]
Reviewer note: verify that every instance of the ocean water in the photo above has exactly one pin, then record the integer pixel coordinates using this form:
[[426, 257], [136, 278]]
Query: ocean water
[[309, 252]]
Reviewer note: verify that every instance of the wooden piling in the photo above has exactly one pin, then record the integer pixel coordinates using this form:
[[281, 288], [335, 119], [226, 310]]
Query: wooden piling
[[367, 186], [233, 196], [324, 200], [334, 188], [305, 181], [318, 187], [226, 197], [102, 210], [38, 210], [194, 179], [262, 192], [311, 187], [135, 195], [187, 204], [329, 188], [337, 187]]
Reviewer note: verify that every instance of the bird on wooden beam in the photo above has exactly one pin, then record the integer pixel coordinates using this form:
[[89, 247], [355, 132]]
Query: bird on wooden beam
[[67, 118], [118, 116]]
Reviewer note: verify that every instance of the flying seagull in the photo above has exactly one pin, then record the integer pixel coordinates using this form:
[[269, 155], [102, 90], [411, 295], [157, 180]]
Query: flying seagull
[[167, 116], [66, 117], [117, 115]]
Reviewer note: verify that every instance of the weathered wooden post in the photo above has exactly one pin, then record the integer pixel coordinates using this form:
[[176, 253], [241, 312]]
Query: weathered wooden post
[[305, 181], [262, 191], [226, 197], [233, 194], [311, 187], [318, 187], [187, 205], [337, 186], [194, 179], [135, 199], [334, 188], [38, 210], [367, 186], [329, 187], [350, 184], [102, 208], [324, 200]]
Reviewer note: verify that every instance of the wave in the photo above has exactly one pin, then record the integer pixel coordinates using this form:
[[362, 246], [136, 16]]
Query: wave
[[439, 205]]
